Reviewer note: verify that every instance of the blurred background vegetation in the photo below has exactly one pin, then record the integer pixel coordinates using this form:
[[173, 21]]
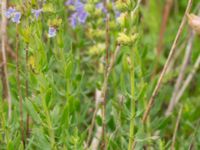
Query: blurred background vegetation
[[66, 75]]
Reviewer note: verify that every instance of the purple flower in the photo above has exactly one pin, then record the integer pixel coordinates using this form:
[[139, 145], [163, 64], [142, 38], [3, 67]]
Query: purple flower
[[52, 32], [79, 6], [36, 12], [117, 14], [82, 16], [10, 12], [13, 14], [101, 7], [16, 17], [73, 20]]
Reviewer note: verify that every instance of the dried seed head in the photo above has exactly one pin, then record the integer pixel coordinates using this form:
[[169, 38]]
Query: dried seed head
[[194, 22]]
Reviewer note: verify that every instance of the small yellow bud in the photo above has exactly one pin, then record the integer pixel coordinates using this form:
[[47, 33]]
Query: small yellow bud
[[96, 49], [55, 22], [125, 39], [48, 8], [122, 5], [32, 64], [98, 33]]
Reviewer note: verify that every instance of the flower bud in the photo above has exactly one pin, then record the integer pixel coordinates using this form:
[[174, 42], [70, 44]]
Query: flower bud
[[96, 49], [194, 22], [55, 22], [98, 33], [122, 5], [125, 39], [49, 8]]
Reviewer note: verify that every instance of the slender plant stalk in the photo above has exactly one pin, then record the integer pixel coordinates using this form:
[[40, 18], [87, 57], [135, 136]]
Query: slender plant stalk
[[19, 86], [132, 120], [155, 92], [103, 92], [96, 139], [165, 17], [188, 79], [107, 37], [175, 56], [181, 74], [5, 83], [176, 129], [104, 89], [105, 83], [92, 125], [10, 51], [27, 90]]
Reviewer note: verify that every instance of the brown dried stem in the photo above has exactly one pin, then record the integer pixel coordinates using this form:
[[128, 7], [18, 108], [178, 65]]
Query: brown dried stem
[[155, 92], [4, 77], [103, 91], [107, 37], [165, 17]]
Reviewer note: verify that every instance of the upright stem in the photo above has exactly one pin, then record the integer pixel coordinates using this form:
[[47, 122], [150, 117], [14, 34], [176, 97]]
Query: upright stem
[[132, 120], [166, 12], [103, 94], [27, 90], [155, 92], [176, 129], [107, 37], [165, 15], [104, 89], [19, 86], [6, 87]]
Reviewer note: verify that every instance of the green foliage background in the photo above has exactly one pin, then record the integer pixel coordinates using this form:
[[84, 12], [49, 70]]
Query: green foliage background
[[64, 74]]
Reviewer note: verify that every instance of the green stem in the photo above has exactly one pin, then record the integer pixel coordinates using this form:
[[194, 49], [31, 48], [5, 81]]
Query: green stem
[[132, 121], [19, 86]]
